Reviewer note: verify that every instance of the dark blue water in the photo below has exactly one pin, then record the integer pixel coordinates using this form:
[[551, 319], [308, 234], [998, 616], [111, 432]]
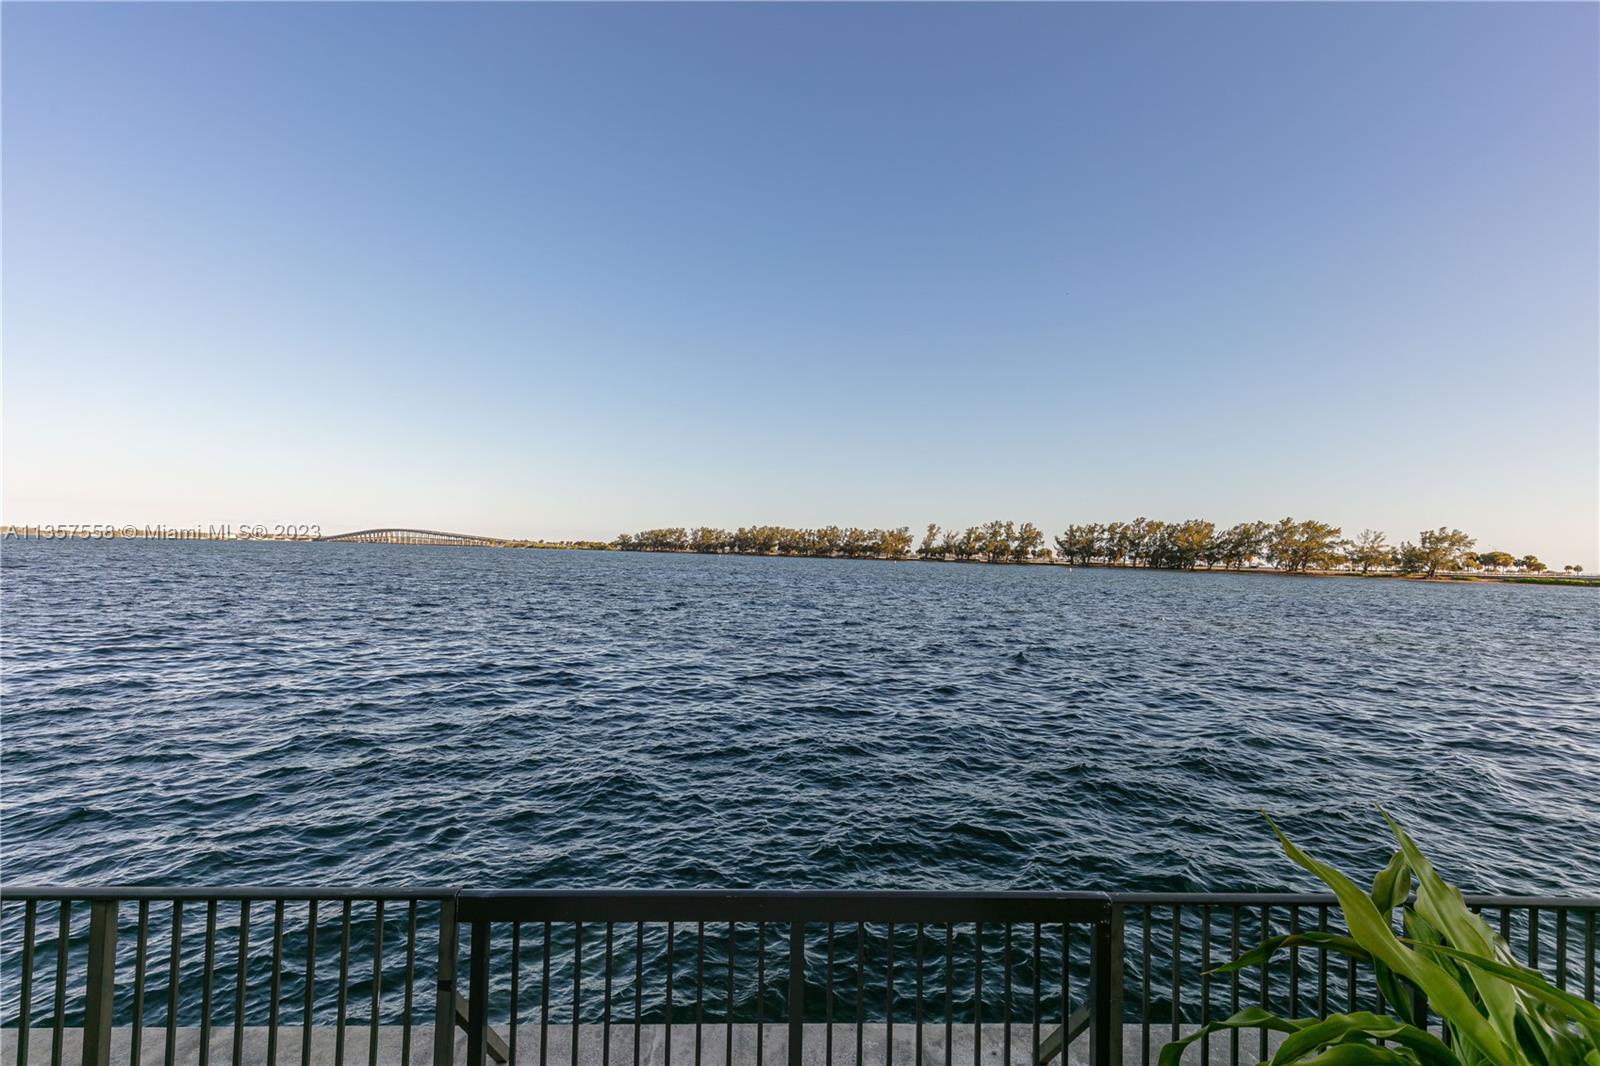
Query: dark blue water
[[221, 713]]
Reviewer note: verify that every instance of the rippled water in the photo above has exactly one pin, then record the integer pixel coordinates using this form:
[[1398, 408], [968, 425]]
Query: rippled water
[[249, 713]]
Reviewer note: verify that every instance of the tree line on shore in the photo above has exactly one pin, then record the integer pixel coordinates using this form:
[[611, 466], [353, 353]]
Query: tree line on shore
[[1288, 545]]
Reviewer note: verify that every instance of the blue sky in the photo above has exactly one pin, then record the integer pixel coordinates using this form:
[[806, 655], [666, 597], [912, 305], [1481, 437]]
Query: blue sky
[[564, 271]]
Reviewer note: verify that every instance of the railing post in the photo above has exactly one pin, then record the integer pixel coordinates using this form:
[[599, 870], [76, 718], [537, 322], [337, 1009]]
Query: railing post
[[797, 990], [444, 1010], [1105, 980], [478, 993], [101, 982]]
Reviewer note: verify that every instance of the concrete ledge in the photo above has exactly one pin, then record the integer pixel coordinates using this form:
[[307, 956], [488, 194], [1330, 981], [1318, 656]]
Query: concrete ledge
[[652, 1045]]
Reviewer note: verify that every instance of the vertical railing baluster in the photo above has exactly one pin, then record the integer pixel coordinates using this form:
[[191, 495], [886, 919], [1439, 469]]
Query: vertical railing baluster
[[1033, 1056], [1005, 1013], [638, 988], [1561, 949], [342, 999], [1588, 956], [275, 988], [1105, 988], [917, 1057], [861, 990], [140, 971], [444, 1005], [1177, 968], [1266, 931], [1066, 991], [239, 979], [310, 990], [1144, 985], [1322, 963], [100, 989], [516, 992], [30, 915], [699, 987], [1351, 991], [174, 962], [950, 990], [1205, 980], [577, 985], [732, 936], [977, 994], [827, 1008], [605, 1014], [1294, 962], [797, 991], [761, 989], [478, 993], [410, 983], [207, 974], [1233, 984], [377, 982], [667, 1029], [544, 999], [63, 938], [408, 980], [1533, 938], [888, 996]]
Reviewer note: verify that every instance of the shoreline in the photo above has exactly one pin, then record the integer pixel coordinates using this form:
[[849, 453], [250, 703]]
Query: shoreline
[[1473, 577]]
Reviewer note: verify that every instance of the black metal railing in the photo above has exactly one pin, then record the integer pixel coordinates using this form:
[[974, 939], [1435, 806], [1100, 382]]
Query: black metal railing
[[824, 976], [148, 976], [1174, 940]]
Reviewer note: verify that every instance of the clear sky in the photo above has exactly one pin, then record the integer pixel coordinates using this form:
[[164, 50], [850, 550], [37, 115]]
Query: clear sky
[[565, 271]]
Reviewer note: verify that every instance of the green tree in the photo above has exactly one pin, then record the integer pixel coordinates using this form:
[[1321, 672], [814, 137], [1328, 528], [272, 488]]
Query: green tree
[[1190, 541], [1442, 549], [997, 537], [830, 539], [1409, 558], [972, 541], [1532, 564], [929, 548], [1369, 549], [1029, 538], [895, 543], [1243, 543], [1116, 542], [1498, 560], [1301, 546], [1080, 544], [707, 540]]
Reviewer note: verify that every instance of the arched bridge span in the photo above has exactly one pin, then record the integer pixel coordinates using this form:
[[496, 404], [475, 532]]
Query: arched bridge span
[[415, 536]]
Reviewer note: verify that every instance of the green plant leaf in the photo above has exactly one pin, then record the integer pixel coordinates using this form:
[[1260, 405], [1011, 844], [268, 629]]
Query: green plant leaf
[[1392, 885], [1248, 1018], [1369, 928], [1359, 1055], [1577, 1009], [1338, 1028], [1317, 938], [1441, 905]]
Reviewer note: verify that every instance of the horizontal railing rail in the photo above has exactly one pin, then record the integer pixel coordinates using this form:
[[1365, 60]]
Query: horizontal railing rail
[[247, 975]]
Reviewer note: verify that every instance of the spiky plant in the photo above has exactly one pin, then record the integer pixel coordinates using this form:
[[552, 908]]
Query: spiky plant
[[1499, 1011]]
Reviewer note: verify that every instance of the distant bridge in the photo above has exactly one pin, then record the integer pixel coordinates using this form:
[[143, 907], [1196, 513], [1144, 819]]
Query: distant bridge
[[416, 536]]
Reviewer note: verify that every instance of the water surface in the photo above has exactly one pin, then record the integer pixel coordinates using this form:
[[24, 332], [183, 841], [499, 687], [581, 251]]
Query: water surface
[[207, 713]]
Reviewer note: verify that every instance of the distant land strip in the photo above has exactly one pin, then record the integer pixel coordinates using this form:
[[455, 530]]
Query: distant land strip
[[1287, 546], [1308, 547]]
